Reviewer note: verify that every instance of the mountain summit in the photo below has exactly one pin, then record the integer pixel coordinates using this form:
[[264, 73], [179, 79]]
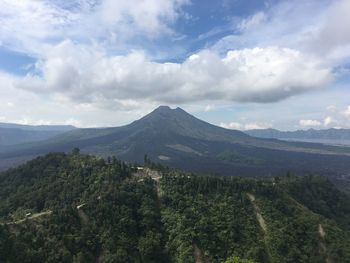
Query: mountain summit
[[177, 121]]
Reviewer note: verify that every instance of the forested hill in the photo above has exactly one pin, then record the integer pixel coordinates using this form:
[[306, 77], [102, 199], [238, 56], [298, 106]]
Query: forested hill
[[79, 208]]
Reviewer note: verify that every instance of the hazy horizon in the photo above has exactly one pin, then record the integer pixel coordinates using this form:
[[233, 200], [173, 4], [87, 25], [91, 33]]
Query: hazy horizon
[[242, 128]]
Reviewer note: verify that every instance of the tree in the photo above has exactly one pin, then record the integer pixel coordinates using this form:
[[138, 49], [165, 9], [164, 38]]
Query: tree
[[76, 151], [146, 159], [238, 260]]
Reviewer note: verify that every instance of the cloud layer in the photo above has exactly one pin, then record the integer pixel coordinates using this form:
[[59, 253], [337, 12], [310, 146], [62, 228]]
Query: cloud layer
[[93, 54], [33, 26], [87, 75]]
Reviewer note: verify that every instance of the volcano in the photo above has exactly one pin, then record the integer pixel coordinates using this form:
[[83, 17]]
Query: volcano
[[177, 139]]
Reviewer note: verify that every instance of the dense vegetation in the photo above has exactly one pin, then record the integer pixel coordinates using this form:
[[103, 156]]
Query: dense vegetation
[[79, 208]]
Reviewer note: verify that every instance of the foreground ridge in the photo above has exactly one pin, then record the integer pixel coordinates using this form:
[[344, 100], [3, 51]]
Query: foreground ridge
[[74, 207]]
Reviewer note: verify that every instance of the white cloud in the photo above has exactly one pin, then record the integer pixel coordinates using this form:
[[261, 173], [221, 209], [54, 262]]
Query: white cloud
[[338, 118], [32, 121], [25, 24], [328, 121], [31, 26], [347, 112], [82, 76], [208, 108], [256, 126], [149, 17], [252, 21], [324, 34], [232, 125], [333, 36], [245, 126], [331, 108], [73, 122], [88, 75], [309, 123], [41, 108], [334, 119]]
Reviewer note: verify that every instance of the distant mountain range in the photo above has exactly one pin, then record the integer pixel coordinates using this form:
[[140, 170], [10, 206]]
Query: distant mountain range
[[177, 139], [11, 134], [62, 128], [311, 134]]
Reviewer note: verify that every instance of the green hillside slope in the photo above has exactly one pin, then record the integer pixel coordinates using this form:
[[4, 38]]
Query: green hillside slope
[[79, 208]]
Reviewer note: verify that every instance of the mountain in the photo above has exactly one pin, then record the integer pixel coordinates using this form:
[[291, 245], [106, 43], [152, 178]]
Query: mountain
[[79, 208], [310, 134], [11, 134], [61, 128], [177, 139]]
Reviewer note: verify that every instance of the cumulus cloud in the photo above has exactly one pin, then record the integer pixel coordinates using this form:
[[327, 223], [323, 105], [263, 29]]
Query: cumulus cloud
[[309, 123], [232, 125], [256, 126], [40, 108], [333, 118], [245, 126], [338, 118], [328, 121], [81, 64], [88, 75], [347, 112], [325, 33]]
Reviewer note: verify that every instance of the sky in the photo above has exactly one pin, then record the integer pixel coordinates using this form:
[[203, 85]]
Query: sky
[[239, 64]]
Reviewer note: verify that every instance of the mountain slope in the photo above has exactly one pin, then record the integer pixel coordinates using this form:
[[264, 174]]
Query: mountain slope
[[11, 134], [62, 128], [177, 139], [78, 208]]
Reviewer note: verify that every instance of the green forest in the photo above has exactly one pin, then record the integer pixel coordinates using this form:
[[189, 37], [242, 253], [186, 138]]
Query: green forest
[[81, 208]]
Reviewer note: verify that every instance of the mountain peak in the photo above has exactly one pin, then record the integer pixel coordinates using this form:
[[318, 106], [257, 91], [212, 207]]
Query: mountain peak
[[177, 121], [167, 111], [162, 108]]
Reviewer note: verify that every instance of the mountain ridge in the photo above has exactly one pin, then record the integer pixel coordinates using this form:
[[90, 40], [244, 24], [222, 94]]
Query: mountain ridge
[[37, 127], [177, 139], [11, 134]]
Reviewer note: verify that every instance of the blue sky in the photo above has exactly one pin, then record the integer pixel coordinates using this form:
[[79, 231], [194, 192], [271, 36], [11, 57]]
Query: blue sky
[[241, 64]]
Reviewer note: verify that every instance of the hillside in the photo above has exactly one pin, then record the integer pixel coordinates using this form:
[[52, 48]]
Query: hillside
[[11, 134], [177, 139], [62, 128], [78, 208]]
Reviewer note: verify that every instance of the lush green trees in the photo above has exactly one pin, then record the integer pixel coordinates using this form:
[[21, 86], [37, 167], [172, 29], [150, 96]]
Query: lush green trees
[[238, 260], [79, 208]]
